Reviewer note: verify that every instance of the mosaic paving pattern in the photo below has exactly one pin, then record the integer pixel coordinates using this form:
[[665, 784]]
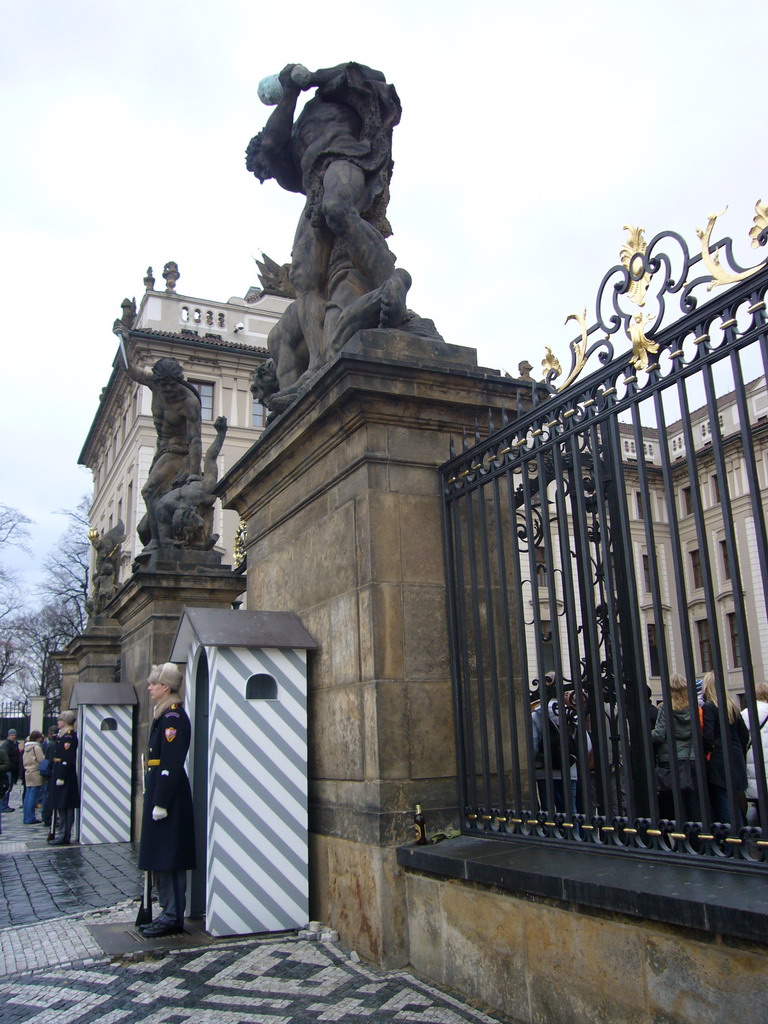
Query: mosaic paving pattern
[[283, 982]]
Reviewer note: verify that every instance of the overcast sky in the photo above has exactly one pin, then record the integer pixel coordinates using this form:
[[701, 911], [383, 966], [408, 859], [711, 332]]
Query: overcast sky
[[531, 133]]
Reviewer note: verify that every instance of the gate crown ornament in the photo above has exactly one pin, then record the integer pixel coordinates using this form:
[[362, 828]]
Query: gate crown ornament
[[653, 271]]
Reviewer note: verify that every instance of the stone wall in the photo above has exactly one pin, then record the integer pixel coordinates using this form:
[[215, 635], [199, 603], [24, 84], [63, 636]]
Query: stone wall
[[542, 961]]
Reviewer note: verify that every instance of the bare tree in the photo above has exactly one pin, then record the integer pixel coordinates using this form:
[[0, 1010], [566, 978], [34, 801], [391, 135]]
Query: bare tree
[[13, 528], [41, 634], [65, 585], [14, 532], [29, 639]]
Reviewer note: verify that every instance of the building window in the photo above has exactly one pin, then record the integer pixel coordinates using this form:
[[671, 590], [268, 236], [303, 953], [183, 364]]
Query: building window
[[695, 557], [705, 645], [687, 502], [541, 567], [715, 490], [733, 632], [724, 559], [547, 646], [647, 573], [205, 391], [258, 414], [653, 649], [639, 505]]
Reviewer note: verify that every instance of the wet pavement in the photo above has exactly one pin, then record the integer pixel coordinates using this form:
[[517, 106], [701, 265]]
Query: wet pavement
[[70, 953]]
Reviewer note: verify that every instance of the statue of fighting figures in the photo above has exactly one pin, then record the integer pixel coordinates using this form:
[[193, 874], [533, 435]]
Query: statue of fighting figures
[[178, 492], [185, 513], [104, 579], [338, 154]]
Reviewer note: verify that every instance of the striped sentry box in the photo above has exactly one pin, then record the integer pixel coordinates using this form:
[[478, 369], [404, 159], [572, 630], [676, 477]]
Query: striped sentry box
[[106, 738], [257, 794], [256, 848]]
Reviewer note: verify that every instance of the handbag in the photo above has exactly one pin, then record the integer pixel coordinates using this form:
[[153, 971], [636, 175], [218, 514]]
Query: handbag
[[44, 767]]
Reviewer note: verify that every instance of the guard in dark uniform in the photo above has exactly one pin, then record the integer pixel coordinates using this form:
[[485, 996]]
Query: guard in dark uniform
[[167, 832], [64, 785]]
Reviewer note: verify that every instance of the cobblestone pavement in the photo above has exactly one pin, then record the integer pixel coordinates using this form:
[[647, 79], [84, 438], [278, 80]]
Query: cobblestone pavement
[[54, 968], [39, 882]]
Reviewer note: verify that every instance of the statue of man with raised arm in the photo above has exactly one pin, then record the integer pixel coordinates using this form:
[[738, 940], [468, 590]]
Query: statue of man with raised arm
[[177, 416], [338, 154]]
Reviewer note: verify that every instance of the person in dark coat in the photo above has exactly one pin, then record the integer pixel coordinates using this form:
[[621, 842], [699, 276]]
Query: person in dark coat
[[167, 846], [5, 771], [64, 784], [48, 744], [733, 746], [11, 747]]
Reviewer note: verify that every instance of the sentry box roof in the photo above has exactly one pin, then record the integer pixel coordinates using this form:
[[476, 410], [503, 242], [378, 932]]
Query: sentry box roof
[[224, 627], [102, 693]]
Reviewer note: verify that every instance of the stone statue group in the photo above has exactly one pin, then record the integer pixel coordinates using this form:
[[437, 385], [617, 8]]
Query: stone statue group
[[338, 154], [342, 276]]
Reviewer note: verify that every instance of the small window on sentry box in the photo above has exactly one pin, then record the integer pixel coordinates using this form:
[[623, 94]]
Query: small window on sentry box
[[108, 725], [261, 687]]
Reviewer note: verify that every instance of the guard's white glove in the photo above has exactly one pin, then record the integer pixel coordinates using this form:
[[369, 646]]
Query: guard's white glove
[[59, 782], [158, 813]]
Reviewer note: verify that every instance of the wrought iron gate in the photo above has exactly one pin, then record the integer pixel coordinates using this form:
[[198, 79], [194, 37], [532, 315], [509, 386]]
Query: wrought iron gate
[[607, 556]]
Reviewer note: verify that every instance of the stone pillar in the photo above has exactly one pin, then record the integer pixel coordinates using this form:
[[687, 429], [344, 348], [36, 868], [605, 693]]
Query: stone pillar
[[93, 656], [139, 632], [148, 609], [341, 498]]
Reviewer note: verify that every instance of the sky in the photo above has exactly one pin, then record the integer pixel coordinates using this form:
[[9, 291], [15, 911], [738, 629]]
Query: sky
[[531, 134]]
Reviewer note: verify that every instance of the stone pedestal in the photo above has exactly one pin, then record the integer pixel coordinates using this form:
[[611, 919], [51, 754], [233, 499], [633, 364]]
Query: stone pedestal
[[143, 617], [92, 657], [148, 609], [341, 498]]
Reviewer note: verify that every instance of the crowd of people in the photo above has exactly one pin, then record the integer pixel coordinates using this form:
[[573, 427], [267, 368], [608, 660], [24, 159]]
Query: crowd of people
[[46, 766], [47, 770], [679, 739]]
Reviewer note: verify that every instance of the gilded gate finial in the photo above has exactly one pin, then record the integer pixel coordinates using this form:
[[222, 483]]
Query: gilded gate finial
[[640, 264], [241, 537], [635, 245], [641, 345], [721, 276], [760, 223], [551, 362]]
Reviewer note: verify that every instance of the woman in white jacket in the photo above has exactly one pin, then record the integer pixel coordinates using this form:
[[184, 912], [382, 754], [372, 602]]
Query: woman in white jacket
[[761, 693]]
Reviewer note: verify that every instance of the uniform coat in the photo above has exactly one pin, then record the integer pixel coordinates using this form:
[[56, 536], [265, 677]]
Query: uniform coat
[[63, 757], [168, 844]]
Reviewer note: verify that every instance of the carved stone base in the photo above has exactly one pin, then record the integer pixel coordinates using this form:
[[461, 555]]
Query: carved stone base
[[170, 558]]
